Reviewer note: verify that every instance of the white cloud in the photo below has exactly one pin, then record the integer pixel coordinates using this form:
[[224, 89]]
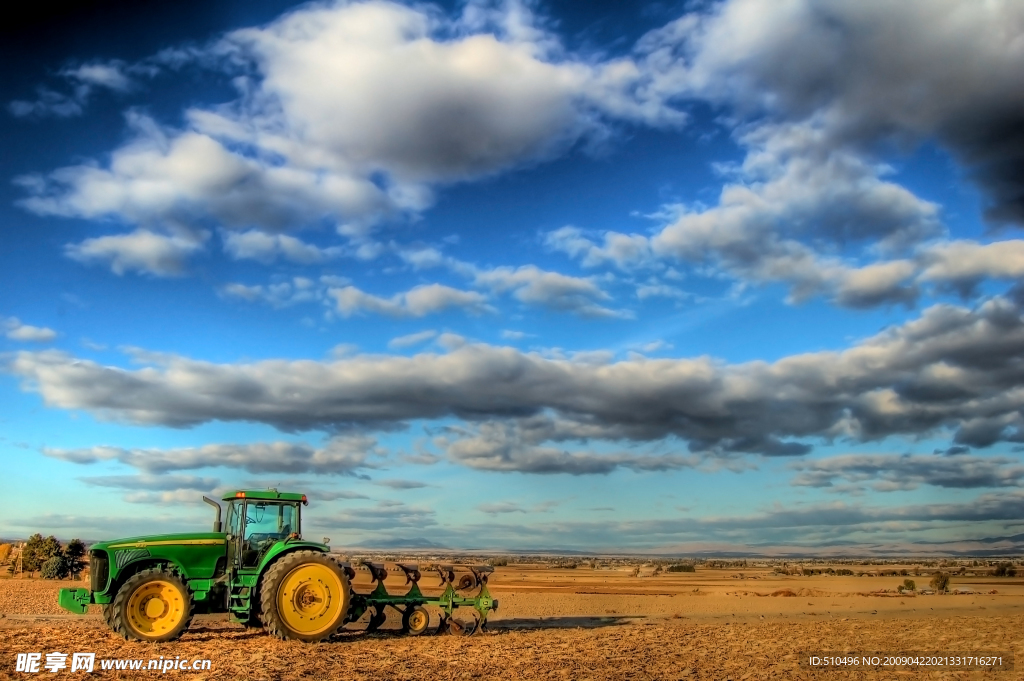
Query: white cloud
[[281, 294], [532, 285], [893, 472], [624, 250], [951, 369], [110, 75], [415, 100], [83, 81], [965, 263], [266, 248], [416, 302], [15, 330], [140, 251], [872, 72], [166, 178], [412, 339], [342, 455]]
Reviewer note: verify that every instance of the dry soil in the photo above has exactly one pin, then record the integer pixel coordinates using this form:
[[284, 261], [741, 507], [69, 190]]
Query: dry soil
[[586, 624]]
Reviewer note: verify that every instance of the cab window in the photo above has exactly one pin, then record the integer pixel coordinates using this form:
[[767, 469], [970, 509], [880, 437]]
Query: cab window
[[266, 520]]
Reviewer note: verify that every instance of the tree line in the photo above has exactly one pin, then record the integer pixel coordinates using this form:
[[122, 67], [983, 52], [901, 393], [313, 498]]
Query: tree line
[[52, 559]]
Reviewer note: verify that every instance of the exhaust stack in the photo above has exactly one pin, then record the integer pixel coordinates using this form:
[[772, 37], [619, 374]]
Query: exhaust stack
[[216, 523]]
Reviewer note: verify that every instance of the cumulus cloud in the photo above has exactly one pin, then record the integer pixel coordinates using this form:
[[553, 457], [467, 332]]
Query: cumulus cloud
[[624, 250], [814, 115], [532, 285], [280, 294], [963, 264], [416, 302], [412, 339], [891, 472], [15, 330], [869, 71], [797, 185], [163, 177], [513, 446], [434, 100], [83, 80], [342, 455], [266, 248], [139, 251], [161, 482], [951, 367]]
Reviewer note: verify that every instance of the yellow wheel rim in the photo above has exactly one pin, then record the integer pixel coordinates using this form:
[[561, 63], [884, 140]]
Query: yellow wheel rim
[[155, 608], [310, 599], [418, 620]]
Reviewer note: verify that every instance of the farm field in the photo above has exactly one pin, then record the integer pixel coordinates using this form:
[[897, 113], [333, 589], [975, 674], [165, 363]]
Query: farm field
[[585, 624]]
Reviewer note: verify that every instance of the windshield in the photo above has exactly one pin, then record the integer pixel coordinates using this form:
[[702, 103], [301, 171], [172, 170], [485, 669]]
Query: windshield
[[268, 520]]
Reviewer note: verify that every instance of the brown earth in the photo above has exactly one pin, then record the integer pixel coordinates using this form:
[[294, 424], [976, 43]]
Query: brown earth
[[584, 624]]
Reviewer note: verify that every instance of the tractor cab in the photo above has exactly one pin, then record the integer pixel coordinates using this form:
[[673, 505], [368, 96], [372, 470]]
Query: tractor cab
[[256, 521]]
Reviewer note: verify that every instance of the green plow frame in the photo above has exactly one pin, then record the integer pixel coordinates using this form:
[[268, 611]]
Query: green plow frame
[[482, 604]]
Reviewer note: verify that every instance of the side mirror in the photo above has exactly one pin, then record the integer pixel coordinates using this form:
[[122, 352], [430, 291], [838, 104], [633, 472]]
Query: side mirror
[[327, 540]]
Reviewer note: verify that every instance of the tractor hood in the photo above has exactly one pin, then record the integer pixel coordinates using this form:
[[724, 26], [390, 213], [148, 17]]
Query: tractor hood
[[155, 540]]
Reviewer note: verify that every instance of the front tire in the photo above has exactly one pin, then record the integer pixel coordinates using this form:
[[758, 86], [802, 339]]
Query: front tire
[[305, 597], [154, 605]]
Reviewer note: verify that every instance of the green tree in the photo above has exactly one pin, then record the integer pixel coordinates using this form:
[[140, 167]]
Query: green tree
[[31, 559], [51, 547], [940, 581], [73, 554], [909, 584], [55, 567]]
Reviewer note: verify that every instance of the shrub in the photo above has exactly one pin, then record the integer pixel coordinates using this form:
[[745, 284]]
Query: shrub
[[494, 562], [940, 582], [5, 552], [55, 567], [1005, 570], [910, 585], [683, 567]]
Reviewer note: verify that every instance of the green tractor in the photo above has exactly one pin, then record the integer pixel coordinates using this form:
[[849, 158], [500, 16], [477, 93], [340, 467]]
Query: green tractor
[[257, 567]]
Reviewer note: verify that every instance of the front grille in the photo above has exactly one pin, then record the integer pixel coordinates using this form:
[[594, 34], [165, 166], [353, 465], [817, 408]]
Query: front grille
[[99, 570]]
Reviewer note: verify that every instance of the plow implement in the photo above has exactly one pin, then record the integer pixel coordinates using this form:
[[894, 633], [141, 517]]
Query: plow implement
[[465, 586]]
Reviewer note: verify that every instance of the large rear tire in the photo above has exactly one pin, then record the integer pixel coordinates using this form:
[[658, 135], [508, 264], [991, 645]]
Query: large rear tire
[[305, 597], [154, 605]]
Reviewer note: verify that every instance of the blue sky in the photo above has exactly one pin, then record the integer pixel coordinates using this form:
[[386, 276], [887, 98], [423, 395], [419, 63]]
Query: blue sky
[[695, 276]]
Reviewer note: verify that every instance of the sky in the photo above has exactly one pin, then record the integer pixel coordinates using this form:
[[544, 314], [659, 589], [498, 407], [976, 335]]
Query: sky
[[733, 276]]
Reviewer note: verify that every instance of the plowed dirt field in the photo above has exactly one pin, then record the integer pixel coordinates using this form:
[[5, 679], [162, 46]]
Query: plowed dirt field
[[582, 624]]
